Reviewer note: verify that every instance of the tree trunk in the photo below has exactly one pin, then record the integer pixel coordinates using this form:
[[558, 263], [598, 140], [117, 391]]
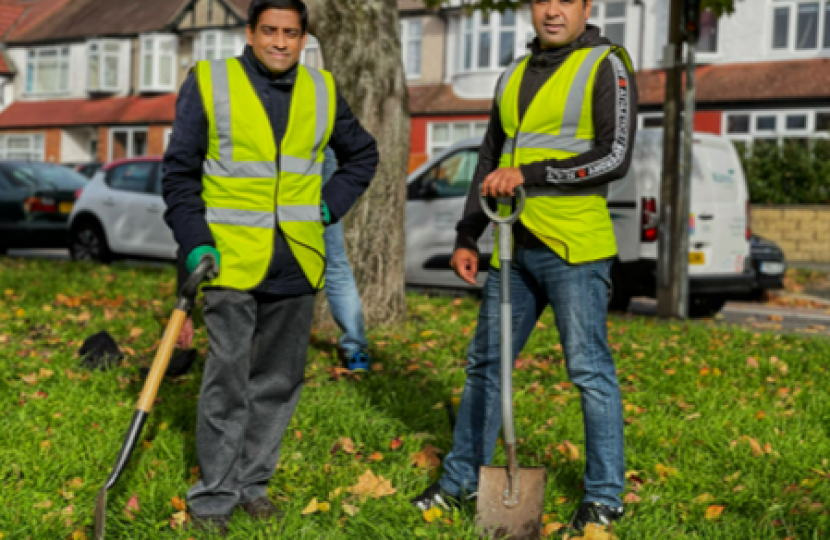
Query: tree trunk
[[361, 47]]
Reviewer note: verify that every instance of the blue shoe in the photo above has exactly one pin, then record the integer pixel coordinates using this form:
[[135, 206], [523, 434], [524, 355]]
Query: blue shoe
[[358, 362]]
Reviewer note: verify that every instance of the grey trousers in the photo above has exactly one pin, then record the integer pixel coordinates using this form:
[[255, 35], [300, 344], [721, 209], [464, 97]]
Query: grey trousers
[[253, 376]]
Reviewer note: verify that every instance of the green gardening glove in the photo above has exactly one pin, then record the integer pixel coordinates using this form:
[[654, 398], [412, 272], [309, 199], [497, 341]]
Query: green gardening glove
[[195, 257], [325, 214]]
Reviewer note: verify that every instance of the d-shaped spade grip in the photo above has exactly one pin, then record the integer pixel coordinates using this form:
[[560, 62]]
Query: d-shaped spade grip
[[520, 197]]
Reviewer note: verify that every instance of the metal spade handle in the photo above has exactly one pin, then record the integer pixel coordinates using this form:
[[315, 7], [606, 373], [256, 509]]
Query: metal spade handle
[[511, 494]]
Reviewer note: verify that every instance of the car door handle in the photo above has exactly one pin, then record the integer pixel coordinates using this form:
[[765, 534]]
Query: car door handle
[[109, 201], [706, 217]]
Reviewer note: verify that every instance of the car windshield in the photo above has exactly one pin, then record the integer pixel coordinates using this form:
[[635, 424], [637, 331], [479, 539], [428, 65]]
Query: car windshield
[[43, 176]]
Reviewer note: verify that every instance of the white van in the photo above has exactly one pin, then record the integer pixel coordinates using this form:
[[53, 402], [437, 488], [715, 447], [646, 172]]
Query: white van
[[719, 265]]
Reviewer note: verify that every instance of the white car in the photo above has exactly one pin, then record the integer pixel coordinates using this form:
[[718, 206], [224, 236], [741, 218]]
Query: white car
[[120, 214], [719, 265]]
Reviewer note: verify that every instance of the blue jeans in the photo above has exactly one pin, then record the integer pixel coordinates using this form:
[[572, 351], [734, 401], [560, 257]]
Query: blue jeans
[[578, 295], [341, 289]]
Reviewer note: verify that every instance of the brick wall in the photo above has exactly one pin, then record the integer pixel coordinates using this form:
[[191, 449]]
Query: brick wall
[[803, 232]]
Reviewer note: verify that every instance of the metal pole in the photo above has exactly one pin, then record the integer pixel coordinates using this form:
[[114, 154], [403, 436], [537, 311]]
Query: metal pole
[[671, 263]]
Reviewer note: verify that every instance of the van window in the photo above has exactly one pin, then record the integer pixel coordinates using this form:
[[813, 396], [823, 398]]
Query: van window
[[452, 176], [134, 177]]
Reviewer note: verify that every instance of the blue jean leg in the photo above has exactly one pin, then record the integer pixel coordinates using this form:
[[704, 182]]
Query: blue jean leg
[[579, 297], [341, 292], [479, 415]]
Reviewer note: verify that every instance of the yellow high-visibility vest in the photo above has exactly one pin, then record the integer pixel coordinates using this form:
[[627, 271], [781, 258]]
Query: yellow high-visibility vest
[[251, 186], [559, 124]]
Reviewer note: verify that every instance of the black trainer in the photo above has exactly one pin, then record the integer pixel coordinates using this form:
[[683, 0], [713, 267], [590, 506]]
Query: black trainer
[[593, 512], [435, 496]]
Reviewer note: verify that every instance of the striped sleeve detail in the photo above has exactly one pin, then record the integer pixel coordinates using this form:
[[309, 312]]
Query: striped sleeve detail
[[619, 148]]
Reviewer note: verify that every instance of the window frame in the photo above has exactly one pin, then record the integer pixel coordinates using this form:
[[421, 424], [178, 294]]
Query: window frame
[[822, 29], [200, 46], [408, 38], [433, 148], [102, 56], [781, 131], [312, 45], [471, 26], [130, 130], [64, 61], [601, 19], [37, 146], [156, 55]]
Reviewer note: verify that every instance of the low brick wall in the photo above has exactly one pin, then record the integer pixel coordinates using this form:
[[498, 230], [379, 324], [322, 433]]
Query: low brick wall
[[803, 232]]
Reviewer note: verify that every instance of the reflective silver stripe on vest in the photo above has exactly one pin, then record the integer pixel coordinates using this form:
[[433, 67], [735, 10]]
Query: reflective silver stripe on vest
[[535, 192], [505, 78], [528, 141], [300, 166], [244, 218], [577, 94], [222, 107], [240, 169], [321, 93], [298, 213]]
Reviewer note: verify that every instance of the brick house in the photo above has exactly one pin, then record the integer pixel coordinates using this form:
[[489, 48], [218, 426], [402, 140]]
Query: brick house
[[763, 72]]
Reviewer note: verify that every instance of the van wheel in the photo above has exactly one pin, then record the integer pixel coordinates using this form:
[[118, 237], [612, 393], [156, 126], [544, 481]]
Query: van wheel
[[88, 243], [705, 305], [620, 292]]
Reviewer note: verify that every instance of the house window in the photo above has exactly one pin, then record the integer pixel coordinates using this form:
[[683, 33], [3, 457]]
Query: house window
[[103, 60], [23, 147], [444, 134], [776, 126], [610, 18], [412, 33], [47, 70], [158, 63], [708, 40], [801, 25], [488, 41], [127, 143], [218, 45]]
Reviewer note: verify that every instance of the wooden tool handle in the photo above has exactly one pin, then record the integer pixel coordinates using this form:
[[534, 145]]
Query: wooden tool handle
[[159, 367]]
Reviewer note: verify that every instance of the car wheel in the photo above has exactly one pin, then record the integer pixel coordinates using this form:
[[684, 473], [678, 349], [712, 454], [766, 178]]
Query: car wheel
[[88, 243], [705, 305]]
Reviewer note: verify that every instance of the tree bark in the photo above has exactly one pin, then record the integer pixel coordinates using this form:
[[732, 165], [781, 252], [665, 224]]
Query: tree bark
[[361, 47]]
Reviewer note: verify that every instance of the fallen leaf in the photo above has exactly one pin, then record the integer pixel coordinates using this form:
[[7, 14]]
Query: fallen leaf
[[324, 507], [377, 456], [136, 332], [714, 512], [369, 485], [79, 535], [312, 507], [132, 506], [396, 443], [31, 378], [45, 373], [703, 498], [298, 435], [349, 509], [552, 528], [427, 458], [665, 472], [752, 363], [760, 415], [594, 531], [346, 444], [377, 367], [336, 493], [44, 504], [432, 514], [631, 498], [569, 450], [179, 519]]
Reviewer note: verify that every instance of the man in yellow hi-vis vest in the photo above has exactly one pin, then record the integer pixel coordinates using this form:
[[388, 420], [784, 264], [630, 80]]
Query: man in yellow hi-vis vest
[[562, 126], [243, 183]]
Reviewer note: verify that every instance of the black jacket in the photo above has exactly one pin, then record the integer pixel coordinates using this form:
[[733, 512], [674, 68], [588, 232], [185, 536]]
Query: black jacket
[[609, 160], [354, 147]]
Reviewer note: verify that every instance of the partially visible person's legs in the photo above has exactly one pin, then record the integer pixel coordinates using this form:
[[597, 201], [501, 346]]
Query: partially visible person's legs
[[579, 297], [479, 415], [344, 300]]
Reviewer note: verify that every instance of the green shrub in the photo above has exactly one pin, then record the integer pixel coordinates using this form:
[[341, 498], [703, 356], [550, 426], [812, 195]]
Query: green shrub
[[795, 172]]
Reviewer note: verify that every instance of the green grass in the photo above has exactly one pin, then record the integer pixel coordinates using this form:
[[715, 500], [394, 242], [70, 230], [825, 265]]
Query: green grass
[[692, 406]]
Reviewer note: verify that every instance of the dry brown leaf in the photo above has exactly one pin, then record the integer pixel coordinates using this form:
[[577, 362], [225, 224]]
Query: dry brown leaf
[[569, 450], [179, 519], [349, 509], [396, 443], [136, 332], [132, 507], [594, 531], [312, 507], [179, 504], [703, 498], [31, 378], [346, 444], [714, 511], [632, 498], [427, 458], [377, 456], [752, 363], [44, 504], [551, 528], [369, 485]]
